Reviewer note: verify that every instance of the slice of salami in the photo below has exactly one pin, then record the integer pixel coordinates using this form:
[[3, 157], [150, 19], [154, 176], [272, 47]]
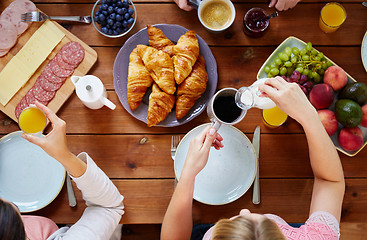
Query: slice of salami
[[60, 72], [31, 99], [51, 77], [8, 34], [48, 86], [64, 64], [21, 105], [41, 94], [72, 53]]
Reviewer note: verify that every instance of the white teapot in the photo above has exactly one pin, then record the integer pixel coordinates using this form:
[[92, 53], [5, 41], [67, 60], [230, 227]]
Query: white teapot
[[91, 92]]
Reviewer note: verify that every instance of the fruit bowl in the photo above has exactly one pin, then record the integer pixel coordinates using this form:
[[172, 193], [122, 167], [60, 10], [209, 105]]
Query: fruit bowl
[[113, 18], [295, 42]]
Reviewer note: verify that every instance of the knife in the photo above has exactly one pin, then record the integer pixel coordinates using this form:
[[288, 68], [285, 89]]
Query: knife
[[256, 144], [69, 187]]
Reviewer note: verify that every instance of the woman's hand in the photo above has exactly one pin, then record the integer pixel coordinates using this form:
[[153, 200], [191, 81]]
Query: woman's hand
[[184, 5], [54, 144], [290, 98], [282, 5], [198, 153]]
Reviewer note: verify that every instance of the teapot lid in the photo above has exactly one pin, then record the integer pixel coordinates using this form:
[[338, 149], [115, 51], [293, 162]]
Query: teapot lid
[[89, 88]]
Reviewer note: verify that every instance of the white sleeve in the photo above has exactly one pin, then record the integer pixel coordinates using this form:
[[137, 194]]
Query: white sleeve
[[104, 206]]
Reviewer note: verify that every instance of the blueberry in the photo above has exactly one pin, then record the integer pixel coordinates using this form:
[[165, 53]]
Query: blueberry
[[110, 32], [97, 13], [113, 1], [101, 17], [108, 1], [119, 4], [104, 2], [113, 16], [104, 12], [108, 26], [118, 18], [103, 23], [114, 27], [130, 21], [124, 24], [115, 32], [125, 3], [130, 11], [104, 7], [127, 16], [113, 5], [104, 30], [110, 22], [96, 18], [110, 10], [123, 11], [118, 30]]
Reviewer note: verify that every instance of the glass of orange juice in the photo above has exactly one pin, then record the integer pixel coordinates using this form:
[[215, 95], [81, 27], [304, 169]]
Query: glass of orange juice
[[32, 120], [274, 117], [332, 16]]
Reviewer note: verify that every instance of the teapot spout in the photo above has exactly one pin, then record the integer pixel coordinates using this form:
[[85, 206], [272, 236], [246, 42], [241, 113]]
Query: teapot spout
[[74, 79]]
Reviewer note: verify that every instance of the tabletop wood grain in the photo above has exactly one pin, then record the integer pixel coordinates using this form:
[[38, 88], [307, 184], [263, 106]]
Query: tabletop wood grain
[[143, 170]]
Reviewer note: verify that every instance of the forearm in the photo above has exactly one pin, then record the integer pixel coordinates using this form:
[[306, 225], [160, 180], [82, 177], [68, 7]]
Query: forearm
[[73, 165], [325, 161], [177, 222]]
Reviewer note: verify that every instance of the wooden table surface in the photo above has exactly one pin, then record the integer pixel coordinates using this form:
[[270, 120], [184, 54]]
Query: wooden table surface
[[143, 172]]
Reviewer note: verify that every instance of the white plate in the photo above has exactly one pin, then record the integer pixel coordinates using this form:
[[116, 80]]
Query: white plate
[[295, 42], [29, 177], [229, 172], [364, 51]]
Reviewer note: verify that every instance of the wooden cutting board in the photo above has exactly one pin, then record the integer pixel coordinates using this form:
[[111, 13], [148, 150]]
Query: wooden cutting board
[[67, 88]]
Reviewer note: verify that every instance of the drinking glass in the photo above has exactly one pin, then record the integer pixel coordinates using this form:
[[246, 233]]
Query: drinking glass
[[332, 16], [274, 117], [32, 120]]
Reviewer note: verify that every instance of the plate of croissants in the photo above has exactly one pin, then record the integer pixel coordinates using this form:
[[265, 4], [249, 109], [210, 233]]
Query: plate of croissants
[[164, 75]]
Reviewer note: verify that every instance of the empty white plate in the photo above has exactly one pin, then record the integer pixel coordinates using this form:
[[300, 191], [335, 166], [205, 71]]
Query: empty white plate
[[229, 172]]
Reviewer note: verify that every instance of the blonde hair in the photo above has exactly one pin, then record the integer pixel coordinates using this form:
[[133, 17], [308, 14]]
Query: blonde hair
[[243, 228]]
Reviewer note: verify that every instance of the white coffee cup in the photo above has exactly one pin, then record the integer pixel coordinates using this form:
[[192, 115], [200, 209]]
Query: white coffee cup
[[91, 92], [215, 15], [216, 113]]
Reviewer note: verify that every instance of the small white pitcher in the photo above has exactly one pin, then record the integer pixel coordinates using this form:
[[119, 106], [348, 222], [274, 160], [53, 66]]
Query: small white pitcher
[[91, 92]]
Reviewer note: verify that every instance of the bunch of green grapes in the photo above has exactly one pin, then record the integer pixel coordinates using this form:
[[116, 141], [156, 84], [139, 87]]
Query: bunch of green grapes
[[307, 61]]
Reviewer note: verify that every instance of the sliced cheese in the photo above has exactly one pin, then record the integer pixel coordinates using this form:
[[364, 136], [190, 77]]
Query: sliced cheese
[[23, 65]]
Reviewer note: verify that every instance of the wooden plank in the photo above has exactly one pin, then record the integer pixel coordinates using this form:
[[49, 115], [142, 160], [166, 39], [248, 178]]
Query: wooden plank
[[127, 157], [302, 21], [146, 202], [237, 61]]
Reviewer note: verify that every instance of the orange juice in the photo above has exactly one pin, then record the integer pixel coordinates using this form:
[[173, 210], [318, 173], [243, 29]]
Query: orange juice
[[332, 17], [32, 120], [274, 117]]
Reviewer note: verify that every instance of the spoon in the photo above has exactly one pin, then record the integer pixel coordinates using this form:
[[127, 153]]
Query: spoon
[[274, 14], [364, 4]]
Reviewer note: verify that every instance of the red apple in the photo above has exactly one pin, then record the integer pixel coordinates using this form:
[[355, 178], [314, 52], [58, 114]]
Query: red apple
[[322, 96], [329, 121], [336, 77], [351, 139], [364, 118]]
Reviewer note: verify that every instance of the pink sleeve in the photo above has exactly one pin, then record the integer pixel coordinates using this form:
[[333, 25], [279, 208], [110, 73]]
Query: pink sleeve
[[39, 228]]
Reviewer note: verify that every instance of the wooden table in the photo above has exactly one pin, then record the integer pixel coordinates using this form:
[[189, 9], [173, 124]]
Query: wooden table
[[143, 172]]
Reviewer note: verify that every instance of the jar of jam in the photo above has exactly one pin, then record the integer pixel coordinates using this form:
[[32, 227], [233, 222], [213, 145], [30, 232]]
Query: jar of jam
[[255, 22]]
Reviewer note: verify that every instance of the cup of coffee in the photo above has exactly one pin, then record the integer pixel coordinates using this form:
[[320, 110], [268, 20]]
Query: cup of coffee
[[222, 108], [215, 15]]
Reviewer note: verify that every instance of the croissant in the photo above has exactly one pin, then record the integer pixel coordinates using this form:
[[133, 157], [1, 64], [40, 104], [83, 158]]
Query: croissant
[[160, 67], [138, 80], [191, 88], [160, 105], [158, 40], [186, 52]]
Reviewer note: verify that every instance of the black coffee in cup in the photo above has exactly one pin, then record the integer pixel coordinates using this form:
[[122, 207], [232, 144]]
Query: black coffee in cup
[[226, 109]]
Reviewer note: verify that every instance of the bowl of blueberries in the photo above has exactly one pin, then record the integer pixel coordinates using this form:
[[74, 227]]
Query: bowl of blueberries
[[113, 18]]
